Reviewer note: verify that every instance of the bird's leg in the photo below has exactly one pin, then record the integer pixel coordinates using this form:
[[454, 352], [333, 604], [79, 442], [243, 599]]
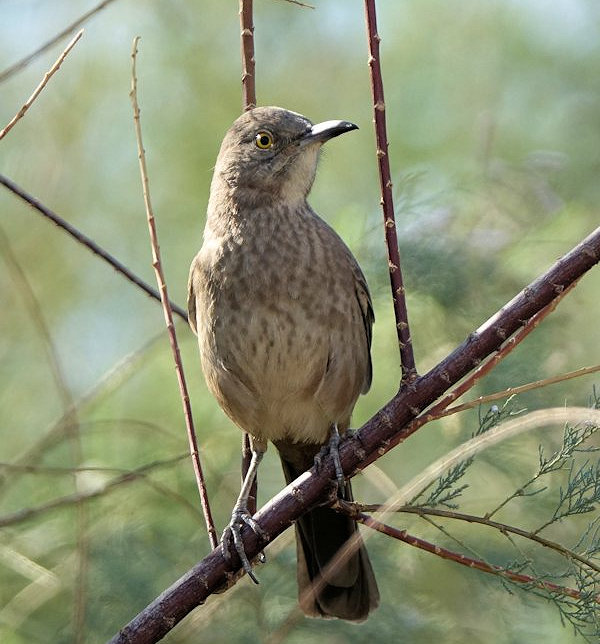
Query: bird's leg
[[241, 516], [334, 442], [332, 448]]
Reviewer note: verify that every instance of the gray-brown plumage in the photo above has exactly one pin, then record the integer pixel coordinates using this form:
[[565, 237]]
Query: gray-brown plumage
[[283, 316]]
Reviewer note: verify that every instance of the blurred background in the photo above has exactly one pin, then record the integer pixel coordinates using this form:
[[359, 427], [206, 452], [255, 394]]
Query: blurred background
[[494, 126]]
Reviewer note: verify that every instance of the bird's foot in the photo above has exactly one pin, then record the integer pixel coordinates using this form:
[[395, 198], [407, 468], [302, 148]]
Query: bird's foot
[[232, 535], [332, 448]]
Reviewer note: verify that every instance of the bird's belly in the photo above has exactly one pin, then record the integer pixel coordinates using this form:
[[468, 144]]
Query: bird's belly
[[267, 362]]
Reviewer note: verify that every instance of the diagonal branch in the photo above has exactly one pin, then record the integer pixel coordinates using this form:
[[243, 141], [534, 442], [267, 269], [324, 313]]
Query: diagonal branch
[[515, 391], [21, 64], [357, 510], [478, 564], [372, 440], [86, 241], [37, 91], [440, 409]]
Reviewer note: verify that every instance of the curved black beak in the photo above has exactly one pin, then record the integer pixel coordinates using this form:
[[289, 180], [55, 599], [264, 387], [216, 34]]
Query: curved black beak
[[321, 132]]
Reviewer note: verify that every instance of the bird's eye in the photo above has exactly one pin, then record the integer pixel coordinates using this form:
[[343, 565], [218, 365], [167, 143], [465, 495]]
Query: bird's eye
[[264, 140]]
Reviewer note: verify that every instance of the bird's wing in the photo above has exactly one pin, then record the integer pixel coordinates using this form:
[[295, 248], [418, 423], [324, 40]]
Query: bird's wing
[[191, 303], [368, 315]]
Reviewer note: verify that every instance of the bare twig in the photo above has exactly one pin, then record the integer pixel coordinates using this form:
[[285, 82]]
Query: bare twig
[[160, 279], [36, 92], [87, 242], [533, 420], [300, 4], [25, 514], [514, 391], [478, 564], [248, 63], [13, 69], [353, 509], [248, 102], [407, 359]]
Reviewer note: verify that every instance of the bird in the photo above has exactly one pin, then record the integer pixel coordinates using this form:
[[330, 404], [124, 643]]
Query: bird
[[284, 317]]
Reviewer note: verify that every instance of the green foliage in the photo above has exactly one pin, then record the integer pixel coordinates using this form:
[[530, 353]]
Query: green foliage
[[492, 121]]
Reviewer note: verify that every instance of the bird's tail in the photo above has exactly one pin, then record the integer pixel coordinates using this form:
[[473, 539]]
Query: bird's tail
[[346, 590]]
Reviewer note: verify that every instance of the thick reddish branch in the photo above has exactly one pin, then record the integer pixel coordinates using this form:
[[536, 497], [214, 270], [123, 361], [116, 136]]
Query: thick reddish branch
[[391, 424], [407, 359]]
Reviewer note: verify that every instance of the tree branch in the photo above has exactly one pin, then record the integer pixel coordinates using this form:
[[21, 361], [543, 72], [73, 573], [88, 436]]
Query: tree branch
[[355, 510], [440, 409], [515, 391], [86, 241], [372, 440], [477, 564]]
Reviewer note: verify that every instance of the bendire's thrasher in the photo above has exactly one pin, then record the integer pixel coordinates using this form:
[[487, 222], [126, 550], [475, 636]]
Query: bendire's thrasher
[[283, 317]]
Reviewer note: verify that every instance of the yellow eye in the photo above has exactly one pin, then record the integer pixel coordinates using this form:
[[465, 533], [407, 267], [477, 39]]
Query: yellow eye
[[264, 140]]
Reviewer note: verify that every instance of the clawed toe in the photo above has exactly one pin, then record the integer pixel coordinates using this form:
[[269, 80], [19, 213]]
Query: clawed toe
[[233, 533], [332, 448]]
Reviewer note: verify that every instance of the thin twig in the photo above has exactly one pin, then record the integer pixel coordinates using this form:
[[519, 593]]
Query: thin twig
[[13, 69], [87, 242], [508, 429], [248, 102], [300, 4], [25, 514], [352, 509], [160, 279], [248, 62], [108, 382], [407, 359], [514, 391], [36, 92], [478, 564]]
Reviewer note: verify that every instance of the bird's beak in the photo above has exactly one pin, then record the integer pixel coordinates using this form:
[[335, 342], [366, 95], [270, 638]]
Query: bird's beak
[[322, 132]]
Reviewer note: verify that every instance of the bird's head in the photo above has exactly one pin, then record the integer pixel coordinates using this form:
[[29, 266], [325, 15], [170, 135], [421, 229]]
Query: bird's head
[[270, 153]]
